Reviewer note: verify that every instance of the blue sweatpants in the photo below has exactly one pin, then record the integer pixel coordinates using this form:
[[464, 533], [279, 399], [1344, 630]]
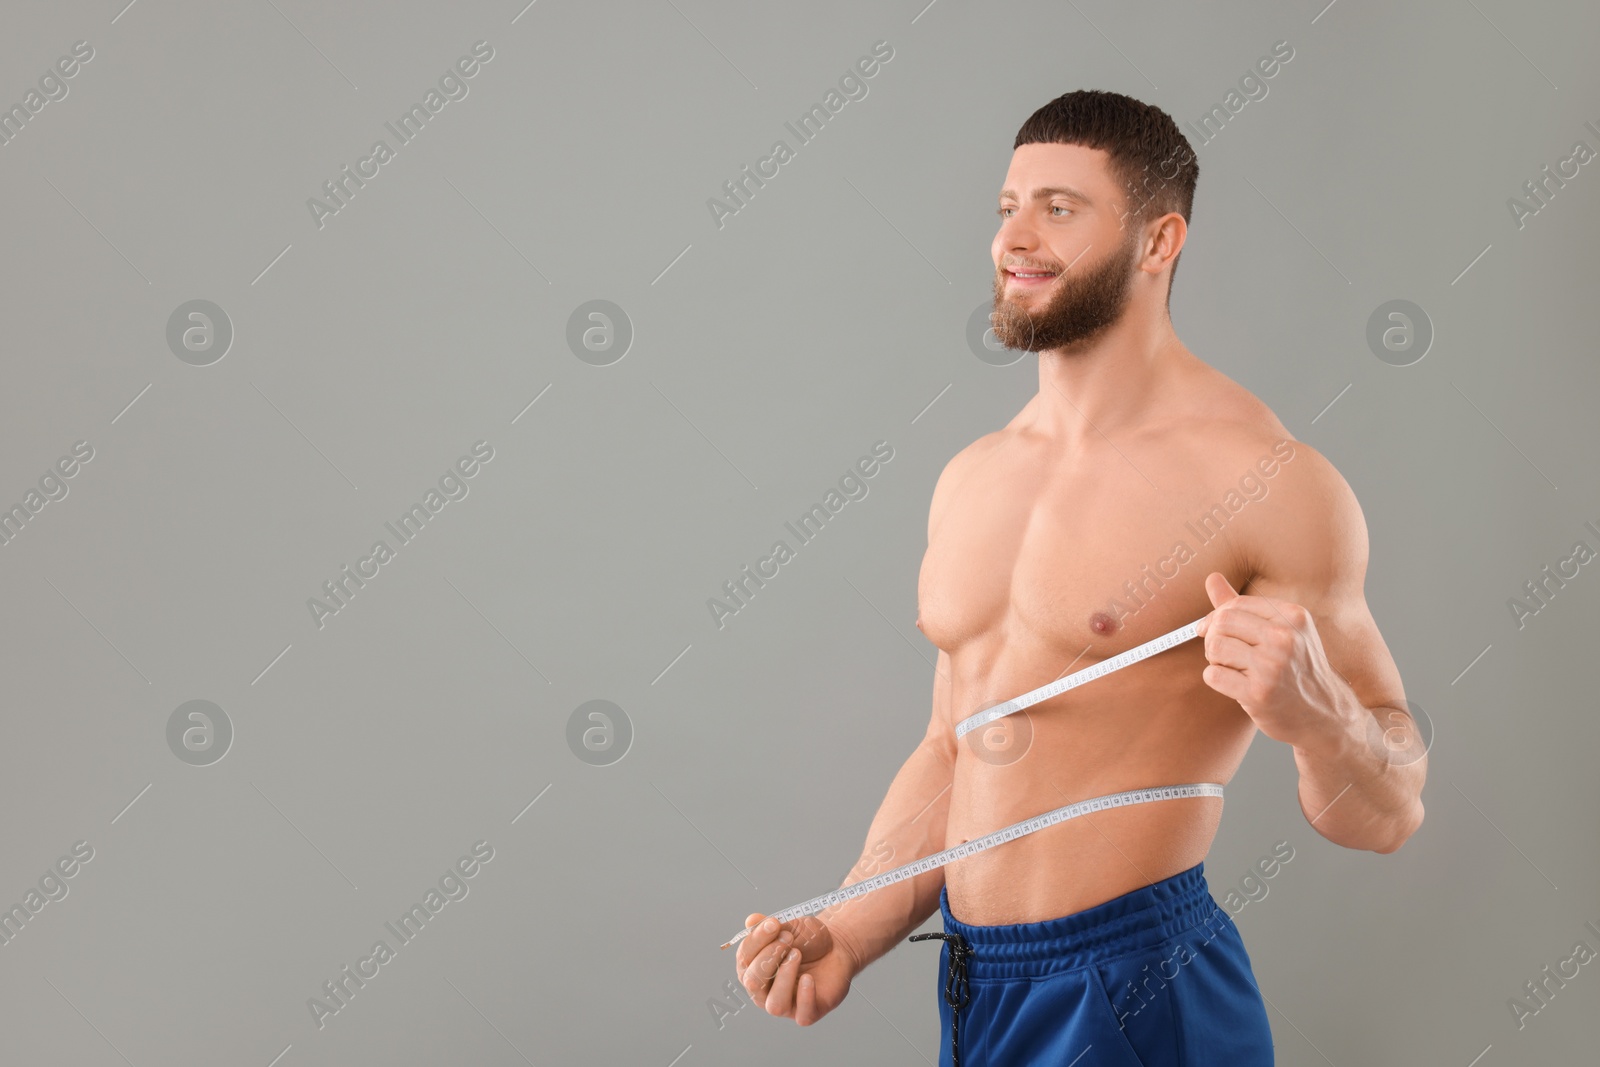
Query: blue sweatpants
[[1157, 977]]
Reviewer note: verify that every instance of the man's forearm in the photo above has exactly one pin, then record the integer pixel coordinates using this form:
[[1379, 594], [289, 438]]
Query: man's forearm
[[1361, 781], [910, 824]]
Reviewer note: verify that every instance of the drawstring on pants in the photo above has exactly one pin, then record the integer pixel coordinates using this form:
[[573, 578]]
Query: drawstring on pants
[[955, 986]]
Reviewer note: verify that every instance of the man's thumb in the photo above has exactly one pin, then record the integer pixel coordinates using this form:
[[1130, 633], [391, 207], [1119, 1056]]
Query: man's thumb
[[1218, 589]]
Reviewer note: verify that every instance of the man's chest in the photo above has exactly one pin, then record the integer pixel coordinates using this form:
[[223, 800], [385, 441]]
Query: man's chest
[[1094, 562]]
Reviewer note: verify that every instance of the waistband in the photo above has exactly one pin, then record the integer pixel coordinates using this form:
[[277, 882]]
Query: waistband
[[1139, 919]]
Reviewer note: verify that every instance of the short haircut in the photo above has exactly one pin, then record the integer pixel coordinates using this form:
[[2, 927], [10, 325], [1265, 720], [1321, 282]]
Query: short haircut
[[1151, 160]]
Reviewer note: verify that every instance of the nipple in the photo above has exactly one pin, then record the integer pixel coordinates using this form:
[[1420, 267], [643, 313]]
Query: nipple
[[1101, 623]]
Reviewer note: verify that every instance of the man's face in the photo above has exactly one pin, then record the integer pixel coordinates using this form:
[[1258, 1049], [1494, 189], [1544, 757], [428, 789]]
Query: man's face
[[1060, 216]]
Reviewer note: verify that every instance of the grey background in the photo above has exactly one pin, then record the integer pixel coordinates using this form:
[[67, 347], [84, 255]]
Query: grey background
[[767, 356]]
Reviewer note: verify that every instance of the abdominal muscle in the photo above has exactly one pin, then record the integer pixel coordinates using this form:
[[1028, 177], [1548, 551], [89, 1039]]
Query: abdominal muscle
[[1156, 731]]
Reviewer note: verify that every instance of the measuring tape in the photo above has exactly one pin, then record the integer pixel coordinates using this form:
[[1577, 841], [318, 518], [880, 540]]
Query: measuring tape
[[1072, 681], [978, 844], [1027, 826]]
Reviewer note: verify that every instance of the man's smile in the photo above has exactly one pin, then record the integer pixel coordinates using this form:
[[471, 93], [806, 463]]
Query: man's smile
[[1029, 279]]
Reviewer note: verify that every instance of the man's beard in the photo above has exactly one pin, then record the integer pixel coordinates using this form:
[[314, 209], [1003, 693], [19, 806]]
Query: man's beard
[[1084, 303]]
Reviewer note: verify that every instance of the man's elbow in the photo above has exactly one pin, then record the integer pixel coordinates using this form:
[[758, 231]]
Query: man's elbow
[[1383, 838], [1407, 825]]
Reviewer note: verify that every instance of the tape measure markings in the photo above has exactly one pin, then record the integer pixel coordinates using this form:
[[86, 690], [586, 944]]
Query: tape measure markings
[[1038, 822], [978, 844], [1183, 633]]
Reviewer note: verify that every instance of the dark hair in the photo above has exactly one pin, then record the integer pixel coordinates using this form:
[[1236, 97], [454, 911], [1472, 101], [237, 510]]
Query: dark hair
[[1150, 158]]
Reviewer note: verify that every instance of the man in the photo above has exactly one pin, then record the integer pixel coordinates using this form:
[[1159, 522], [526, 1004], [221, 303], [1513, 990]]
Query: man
[[1139, 490]]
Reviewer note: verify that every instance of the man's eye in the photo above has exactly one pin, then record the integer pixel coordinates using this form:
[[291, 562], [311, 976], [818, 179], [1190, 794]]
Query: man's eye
[[1053, 207]]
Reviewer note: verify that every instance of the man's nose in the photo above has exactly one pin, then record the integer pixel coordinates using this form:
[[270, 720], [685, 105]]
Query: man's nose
[[1016, 237]]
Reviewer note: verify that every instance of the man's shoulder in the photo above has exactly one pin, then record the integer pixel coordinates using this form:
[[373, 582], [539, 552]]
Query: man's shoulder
[[1308, 524], [956, 468], [1230, 446], [1232, 416], [1301, 508], [976, 451], [1229, 429]]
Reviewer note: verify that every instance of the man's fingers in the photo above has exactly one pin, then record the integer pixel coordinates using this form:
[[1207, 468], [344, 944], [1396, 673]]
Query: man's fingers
[[780, 1001], [1228, 652], [769, 960], [1227, 681], [1255, 605], [759, 938], [805, 1005], [1234, 621], [763, 967]]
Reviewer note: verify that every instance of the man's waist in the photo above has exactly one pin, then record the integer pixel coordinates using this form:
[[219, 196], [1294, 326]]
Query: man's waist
[[1144, 916]]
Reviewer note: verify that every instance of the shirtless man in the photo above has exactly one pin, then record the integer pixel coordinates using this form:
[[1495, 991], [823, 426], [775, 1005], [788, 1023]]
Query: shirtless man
[[1139, 490]]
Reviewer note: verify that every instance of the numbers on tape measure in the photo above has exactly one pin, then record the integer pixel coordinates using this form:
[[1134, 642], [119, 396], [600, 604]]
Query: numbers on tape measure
[[1072, 681], [979, 844]]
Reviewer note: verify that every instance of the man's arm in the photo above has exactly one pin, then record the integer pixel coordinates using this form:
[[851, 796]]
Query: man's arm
[[1305, 660], [910, 824], [912, 819], [808, 980]]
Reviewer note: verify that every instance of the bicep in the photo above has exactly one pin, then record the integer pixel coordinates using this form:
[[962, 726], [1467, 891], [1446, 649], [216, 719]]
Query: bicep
[[1312, 550]]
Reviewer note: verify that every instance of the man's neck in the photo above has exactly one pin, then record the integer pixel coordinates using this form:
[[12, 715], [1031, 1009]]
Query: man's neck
[[1106, 386]]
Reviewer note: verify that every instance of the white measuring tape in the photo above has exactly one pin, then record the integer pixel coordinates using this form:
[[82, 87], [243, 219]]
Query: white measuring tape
[[1027, 826], [1077, 678]]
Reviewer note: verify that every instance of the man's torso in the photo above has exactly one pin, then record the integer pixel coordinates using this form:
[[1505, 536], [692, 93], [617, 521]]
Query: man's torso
[[1026, 578]]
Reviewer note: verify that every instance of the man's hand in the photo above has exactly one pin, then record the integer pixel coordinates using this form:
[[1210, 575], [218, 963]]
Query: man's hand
[[798, 970], [1265, 654]]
